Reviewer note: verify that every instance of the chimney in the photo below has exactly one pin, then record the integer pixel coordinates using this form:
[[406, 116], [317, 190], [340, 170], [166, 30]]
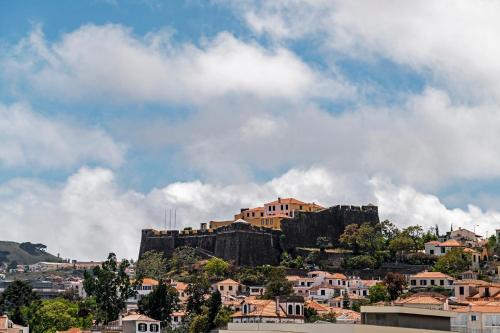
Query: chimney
[[279, 199]]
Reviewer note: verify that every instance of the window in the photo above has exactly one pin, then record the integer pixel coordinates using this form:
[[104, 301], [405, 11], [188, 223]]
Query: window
[[230, 288], [286, 207], [221, 287], [433, 282], [281, 207], [443, 250], [413, 282], [253, 214], [153, 328], [176, 319], [441, 282], [473, 318], [261, 214], [461, 291], [297, 309], [431, 251], [142, 327], [322, 292], [300, 207], [245, 308], [290, 309]]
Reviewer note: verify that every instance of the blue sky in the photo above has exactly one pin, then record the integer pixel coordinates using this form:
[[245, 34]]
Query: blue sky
[[111, 111]]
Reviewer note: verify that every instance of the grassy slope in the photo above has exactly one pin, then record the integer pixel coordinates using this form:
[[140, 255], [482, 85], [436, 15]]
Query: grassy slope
[[15, 252]]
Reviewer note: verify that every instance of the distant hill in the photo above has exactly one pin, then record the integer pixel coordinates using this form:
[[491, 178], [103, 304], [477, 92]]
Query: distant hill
[[24, 253]]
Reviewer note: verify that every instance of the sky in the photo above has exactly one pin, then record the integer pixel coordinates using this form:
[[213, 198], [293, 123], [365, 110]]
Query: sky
[[113, 112]]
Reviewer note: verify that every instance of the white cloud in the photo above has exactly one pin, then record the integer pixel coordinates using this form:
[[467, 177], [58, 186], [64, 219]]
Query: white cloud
[[30, 139], [89, 215], [406, 206], [109, 63], [454, 41], [428, 142]]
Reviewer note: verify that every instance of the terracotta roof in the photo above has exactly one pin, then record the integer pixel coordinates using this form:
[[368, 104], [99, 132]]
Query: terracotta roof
[[149, 282], [228, 281], [420, 299], [292, 277], [370, 283], [431, 275], [469, 250], [479, 308], [180, 286], [472, 282], [73, 330], [320, 308], [134, 317], [434, 243], [286, 201], [262, 308], [337, 276], [346, 314], [451, 243]]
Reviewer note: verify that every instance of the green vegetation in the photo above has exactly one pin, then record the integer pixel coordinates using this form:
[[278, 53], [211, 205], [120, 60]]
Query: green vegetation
[[17, 295], [378, 293], [216, 268], [24, 254], [152, 264], [277, 284], [160, 303], [54, 315], [453, 263], [111, 287]]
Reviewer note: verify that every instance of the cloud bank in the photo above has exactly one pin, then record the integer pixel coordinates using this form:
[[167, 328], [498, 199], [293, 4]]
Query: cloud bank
[[93, 215]]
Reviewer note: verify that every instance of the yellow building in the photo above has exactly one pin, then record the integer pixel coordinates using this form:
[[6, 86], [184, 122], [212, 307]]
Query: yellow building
[[289, 207]]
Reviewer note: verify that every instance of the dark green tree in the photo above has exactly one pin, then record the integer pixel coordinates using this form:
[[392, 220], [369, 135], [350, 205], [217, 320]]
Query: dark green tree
[[183, 259], [110, 285], [17, 295], [160, 303], [277, 284], [322, 243], [214, 306], [196, 292]]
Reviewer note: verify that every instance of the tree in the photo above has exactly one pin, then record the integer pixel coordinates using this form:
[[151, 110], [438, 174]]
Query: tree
[[395, 284], [389, 231], [160, 303], [152, 264], [110, 285], [277, 284], [17, 295], [13, 265], [183, 258], [401, 244], [198, 324], [492, 243], [214, 306], [310, 315], [378, 293], [216, 267], [55, 315], [453, 262], [349, 238], [196, 292], [363, 238], [415, 232], [429, 236], [223, 317], [323, 242]]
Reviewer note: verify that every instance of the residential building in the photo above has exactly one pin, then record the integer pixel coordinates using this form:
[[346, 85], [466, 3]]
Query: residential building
[[440, 248], [430, 301], [228, 287], [281, 310], [431, 279], [477, 318]]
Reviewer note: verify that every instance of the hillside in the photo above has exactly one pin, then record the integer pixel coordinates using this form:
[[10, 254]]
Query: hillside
[[24, 253]]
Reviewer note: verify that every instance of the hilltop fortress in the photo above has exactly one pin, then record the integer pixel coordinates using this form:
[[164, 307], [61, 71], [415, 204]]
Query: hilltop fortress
[[258, 236]]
